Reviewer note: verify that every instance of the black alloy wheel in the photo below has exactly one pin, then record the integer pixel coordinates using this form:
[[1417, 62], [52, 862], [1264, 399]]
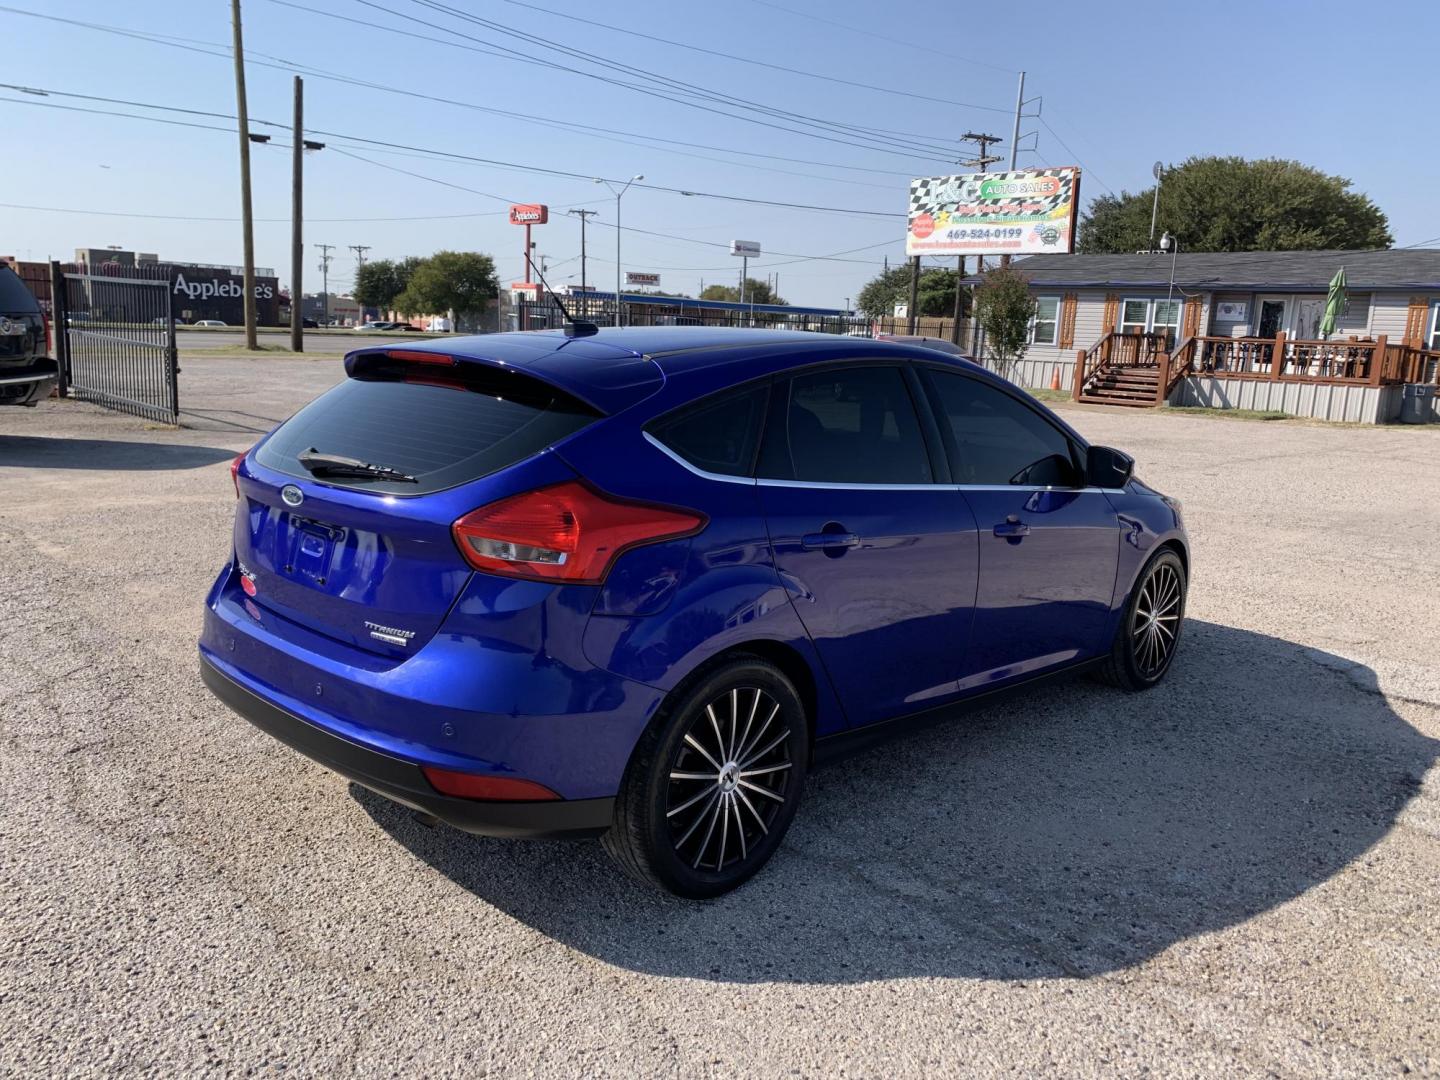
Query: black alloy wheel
[[1149, 632], [714, 783]]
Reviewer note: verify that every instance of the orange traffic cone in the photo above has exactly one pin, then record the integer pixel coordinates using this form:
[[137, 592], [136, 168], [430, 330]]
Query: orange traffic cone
[[1055, 379]]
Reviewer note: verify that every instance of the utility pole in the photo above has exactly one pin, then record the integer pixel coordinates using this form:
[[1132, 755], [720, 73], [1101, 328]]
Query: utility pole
[[582, 215], [359, 250], [1015, 137], [297, 231], [912, 315], [247, 223], [982, 161], [325, 258]]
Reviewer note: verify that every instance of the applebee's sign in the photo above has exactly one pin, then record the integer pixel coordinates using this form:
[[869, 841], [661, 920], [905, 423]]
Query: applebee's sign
[[206, 290], [529, 214]]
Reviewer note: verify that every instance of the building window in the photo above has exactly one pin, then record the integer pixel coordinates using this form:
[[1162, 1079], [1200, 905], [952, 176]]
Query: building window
[[1044, 328], [1150, 317], [1134, 316]]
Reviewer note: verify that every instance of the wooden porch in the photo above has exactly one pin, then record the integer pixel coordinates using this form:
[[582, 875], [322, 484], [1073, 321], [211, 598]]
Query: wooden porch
[[1141, 370]]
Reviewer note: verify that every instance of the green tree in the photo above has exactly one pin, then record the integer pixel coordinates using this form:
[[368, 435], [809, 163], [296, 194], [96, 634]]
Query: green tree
[[936, 294], [460, 281], [1004, 308], [756, 292], [379, 282], [1230, 204]]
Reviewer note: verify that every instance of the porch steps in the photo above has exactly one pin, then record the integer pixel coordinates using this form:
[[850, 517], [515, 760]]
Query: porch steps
[[1127, 386]]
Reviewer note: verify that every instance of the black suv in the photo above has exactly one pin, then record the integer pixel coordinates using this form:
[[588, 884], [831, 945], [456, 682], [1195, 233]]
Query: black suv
[[27, 374]]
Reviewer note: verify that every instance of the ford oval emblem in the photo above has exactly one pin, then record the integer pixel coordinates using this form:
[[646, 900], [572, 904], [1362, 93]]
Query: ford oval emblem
[[292, 495]]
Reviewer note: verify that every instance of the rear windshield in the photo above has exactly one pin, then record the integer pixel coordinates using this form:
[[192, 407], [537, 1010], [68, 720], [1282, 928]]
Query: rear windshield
[[443, 431], [15, 296]]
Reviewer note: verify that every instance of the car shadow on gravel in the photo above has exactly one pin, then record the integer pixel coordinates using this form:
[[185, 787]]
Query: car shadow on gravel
[[59, 452], [1072, 831]]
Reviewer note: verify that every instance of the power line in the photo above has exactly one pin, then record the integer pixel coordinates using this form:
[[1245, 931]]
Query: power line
[[451, 155], [869, 32], [1074, 155], [283, 64], [666, 88], [757, 63]]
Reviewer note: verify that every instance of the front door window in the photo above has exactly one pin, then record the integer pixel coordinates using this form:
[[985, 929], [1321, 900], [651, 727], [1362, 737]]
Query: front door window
[[1271, 318]]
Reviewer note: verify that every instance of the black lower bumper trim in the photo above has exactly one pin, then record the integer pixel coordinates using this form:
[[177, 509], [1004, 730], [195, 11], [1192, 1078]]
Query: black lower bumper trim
[[403, 781]]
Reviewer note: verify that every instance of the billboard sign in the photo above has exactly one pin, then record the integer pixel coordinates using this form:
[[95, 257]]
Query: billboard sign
[[750, 249], [529, 214], [635, 277], [1002, 213]]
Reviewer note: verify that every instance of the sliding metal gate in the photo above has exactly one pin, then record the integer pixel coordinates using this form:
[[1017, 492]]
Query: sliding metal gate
[[118, 345]]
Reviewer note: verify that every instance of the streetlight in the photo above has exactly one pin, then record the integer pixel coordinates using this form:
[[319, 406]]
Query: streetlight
[[1172, 245], [1159, 172], [617, 194]]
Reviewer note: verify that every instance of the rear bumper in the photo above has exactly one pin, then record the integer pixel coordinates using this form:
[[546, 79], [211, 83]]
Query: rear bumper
[[402, 781], [26, 386]]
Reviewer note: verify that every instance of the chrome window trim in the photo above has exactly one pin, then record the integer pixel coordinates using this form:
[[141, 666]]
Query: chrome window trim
[[723, 478], [824, 486]]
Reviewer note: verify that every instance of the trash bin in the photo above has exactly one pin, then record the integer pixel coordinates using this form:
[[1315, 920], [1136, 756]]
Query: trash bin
[[1415, 402]]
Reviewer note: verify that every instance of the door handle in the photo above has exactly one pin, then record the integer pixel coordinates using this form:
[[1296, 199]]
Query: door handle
[[1012, 528], [829, 541]]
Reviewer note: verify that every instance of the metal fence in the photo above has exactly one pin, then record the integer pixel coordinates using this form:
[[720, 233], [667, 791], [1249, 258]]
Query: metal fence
[[115, 340], [545, 314]]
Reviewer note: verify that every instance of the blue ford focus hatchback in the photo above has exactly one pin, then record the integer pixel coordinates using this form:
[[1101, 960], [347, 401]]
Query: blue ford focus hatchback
[[634, 584]]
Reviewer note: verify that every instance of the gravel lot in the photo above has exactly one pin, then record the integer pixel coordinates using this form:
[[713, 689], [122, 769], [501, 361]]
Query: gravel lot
[[1235, 874]]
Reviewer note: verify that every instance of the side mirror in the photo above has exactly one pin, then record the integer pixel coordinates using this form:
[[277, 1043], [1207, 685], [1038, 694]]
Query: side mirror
[[1107, 467]]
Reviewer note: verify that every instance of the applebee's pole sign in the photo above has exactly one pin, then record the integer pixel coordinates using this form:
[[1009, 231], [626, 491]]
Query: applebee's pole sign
[[528, 214]]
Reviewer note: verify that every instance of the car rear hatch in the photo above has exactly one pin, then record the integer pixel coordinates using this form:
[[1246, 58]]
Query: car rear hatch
[[365, 556]]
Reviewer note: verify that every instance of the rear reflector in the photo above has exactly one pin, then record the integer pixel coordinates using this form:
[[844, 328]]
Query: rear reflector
[[461, 785], [565, 533]]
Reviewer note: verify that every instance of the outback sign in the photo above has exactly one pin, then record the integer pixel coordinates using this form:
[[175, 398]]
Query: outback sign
[[529, 214]]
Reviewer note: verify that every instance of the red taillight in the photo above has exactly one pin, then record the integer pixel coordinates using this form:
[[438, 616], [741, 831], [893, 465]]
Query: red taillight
[[415, 356], [565, 532], [493, 788], [235, 472]]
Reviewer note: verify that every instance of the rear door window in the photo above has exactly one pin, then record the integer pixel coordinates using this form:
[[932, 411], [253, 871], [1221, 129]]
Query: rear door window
[[846, 426], [719, 435], [443, 431], [999, 440]]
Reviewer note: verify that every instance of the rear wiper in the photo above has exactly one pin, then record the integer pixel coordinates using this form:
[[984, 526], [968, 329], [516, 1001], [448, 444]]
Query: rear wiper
[[338, 465]]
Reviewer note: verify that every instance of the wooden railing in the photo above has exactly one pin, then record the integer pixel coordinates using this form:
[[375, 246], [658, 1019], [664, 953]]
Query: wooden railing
[[1174, 366], [1279, 359], [1117, 350]]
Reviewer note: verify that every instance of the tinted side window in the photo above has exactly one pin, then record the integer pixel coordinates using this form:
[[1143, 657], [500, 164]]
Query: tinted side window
[[999, 440], [718, 435], [848, 426]]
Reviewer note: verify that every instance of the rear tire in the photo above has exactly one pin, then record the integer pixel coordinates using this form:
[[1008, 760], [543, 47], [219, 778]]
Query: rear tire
[[714, 782], [1149, 631]]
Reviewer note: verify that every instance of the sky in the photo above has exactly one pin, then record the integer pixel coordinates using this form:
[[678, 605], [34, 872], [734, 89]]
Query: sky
[[1118, 86]]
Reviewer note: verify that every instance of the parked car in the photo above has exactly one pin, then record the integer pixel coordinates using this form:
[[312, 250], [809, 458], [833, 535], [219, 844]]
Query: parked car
[[308, 323], [939, 344], [375, 325], [27, 373], [209, 322], [635, 584], [439, 324]]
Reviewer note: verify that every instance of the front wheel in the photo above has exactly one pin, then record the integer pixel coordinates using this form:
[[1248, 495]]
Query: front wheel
[[1149, 630], [714, 783]]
